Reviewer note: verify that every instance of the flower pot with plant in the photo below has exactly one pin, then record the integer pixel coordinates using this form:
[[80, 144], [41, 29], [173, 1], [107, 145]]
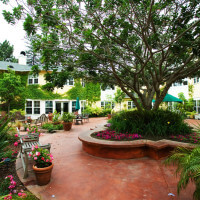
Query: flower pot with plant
[[50, 116], [43, 164], [56, 118], [67, 121]]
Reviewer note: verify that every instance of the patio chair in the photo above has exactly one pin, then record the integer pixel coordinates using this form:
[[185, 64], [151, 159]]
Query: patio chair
[[27, 141], [78, 119], [86, 117]]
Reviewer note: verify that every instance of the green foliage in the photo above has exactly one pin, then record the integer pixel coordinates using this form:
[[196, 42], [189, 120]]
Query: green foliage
[[77, 91], [68, 117], [11, 88], [3, 136], [112, 48], [6, 52], [188, 167], [50, 127], [160, 123], [35, 92], [56, 116], [4, 184], [92, 92], [96, 111], [119, 96]]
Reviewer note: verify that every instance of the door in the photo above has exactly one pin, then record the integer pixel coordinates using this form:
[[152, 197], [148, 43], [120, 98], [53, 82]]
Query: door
[[58, 107], [66, 107]]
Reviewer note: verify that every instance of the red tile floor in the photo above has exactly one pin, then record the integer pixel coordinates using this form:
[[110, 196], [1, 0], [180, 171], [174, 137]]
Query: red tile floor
[[79, 176]]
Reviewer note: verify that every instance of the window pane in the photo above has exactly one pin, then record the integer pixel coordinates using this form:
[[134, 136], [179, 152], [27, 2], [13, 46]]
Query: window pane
[[28, 110], [29, 104], [49, 104], [48, 110], [30, 81], [71, 81], [73, 103], [36, 103], [36, 81], [36, 110]]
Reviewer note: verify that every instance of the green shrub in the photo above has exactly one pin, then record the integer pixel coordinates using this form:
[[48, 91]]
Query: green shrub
[[156, 123], [4, 184], [50, 127]]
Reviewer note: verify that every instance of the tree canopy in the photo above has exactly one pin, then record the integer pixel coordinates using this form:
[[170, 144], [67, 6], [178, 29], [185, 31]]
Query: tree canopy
[[11, 88], [6, 52], [138, 45]]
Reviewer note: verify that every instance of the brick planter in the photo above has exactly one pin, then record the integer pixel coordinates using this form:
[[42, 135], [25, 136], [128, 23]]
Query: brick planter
[[128, 149]]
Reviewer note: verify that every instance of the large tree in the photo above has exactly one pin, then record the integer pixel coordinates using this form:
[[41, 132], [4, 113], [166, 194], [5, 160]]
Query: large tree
[[139, 45], [6, 52]]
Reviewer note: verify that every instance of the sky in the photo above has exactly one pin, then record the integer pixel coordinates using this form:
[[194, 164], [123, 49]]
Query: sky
[[13, 33]]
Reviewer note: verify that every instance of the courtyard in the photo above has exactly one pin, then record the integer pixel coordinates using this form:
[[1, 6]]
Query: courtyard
[[78, 175]]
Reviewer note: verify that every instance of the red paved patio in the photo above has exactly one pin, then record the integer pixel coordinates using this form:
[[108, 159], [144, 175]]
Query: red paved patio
[[79, 176]]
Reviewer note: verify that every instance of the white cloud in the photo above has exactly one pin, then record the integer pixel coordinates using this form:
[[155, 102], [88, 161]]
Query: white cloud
[[13, 33]]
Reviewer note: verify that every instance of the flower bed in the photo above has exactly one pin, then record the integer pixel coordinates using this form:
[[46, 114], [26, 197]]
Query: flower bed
[[114, 136], [193, 138]]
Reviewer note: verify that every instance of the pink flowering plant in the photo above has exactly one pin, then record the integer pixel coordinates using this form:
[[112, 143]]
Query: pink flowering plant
[[193, 138], [41, 156], [113, 135], [34, 130]]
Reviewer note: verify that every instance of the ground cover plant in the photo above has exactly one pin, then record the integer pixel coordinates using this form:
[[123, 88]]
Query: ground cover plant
[[112, 135]]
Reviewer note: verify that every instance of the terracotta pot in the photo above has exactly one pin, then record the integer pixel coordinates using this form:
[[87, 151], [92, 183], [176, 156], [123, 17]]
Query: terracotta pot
[[109, 116], [43, 175], [50, 117], [67, 126]]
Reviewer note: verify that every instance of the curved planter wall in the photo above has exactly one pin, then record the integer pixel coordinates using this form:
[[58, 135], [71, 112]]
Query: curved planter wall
[[128, 149]]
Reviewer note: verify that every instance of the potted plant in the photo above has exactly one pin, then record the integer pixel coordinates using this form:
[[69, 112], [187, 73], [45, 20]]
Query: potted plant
[[67, 121], [56, 118], [43, 164], [50, 116]]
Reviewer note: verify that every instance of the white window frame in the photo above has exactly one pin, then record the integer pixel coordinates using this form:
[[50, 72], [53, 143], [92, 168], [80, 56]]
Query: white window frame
[[104, 103], [130, 105], [48, 107], [33, 78], [70, 81], [32, 107], [196, 80]]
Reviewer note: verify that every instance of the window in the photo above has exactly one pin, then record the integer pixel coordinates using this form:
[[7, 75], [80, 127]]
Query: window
[[109, 88], [107, 104], [33, 107], [36, 107], [196, 79], [131, 105], [83, 82], [73, 106], [48, 107], [69, 81], [29, 107], [180, 83], [32, 79]]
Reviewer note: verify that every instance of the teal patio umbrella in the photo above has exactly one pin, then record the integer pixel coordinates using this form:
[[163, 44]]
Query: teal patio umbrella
[[77, 104], [170, 98]]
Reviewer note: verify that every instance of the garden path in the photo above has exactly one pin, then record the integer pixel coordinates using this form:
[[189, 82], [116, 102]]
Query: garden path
[[79, 176]]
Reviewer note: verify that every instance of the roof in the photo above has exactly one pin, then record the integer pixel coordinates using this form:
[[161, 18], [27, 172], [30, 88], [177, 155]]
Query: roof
[[170, 98], [15, 66]]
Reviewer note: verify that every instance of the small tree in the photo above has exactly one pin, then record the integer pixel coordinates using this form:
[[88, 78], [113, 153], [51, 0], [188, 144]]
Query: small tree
[[119, 96], [6, 52], [11, 88]]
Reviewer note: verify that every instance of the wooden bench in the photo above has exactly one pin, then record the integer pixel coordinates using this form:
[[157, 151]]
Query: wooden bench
[[27, 141], [40, 120]]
